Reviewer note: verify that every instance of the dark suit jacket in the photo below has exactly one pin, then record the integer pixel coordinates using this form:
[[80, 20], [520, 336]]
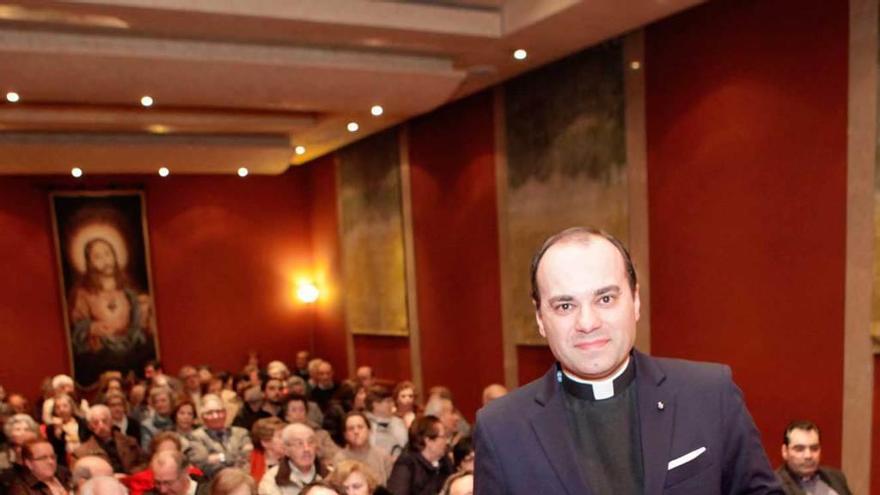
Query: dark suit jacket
[[524, 443], [130, 455], [833, 477]]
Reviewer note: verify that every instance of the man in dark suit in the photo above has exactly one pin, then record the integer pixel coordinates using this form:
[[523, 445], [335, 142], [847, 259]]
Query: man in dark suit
[[607, 419], [801, 474]]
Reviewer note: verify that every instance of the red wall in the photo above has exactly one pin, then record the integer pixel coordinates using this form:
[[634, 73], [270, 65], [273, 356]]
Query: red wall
[[875, 450], [388, 356], [746, 140], [223, 254], [533, 362], [455, 229]]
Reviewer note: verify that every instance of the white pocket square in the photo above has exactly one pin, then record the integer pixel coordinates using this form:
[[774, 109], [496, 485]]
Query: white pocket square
[[678, 461]]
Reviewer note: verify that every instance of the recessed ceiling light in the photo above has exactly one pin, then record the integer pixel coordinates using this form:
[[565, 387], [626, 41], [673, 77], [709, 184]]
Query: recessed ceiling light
[[352, 127], [76, 172], [300, 150], [12, 97], [242, 172], [520, 54], [635, 65], [377, 110], [146, 101], [163, 172]]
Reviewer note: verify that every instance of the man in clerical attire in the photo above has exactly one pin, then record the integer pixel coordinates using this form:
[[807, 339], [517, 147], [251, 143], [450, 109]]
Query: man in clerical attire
[[606, 419]]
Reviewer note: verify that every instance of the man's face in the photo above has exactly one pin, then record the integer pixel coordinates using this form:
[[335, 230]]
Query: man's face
[[383, 408], [169, 480], [162, 404], [588, 313], [302, 360], [18, 404], [448, 416], [357, 434], [324, 375], [273, 391], [214, 417], [301, 447], [191, 381], [365, 376], [101, 424], [101, 259], [44, 462], [802, 452], [117, 409]]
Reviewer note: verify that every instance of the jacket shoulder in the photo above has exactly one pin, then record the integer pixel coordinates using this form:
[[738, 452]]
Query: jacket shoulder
[[693, 373]]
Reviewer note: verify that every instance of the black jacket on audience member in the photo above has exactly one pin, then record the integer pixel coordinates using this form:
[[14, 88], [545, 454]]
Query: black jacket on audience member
[[414, 475]]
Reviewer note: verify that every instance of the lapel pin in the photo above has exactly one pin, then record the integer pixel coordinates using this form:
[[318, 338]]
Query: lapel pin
[[660, 405]]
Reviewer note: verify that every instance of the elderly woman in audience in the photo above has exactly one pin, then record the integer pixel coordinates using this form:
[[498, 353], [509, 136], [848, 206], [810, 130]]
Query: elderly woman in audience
[[355, 478], [159, 419], [43, 475], [358, 448], [232, 481], [164, 441], [119, 412], [295, 413], [18, 429], [424, 466], [405, 406], [62, 385], [66, 431], [268, 445]]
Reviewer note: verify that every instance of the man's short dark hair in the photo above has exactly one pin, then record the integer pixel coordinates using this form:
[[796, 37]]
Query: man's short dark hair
[[270, 379], [153, 363], [359, 414], [296, 398], [799, 424], [581, 234], [375, 394], [423, 428]]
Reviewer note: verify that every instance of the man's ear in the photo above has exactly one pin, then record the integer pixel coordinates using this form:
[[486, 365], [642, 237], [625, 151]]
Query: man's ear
[[540, 322], [637, 303]]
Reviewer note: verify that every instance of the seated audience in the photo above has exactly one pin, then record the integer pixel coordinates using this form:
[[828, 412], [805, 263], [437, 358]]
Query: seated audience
[[119, 413], [65, 431], [319, 488], [297, 386], [164, 441], [121, 451], [388, 432], [463, 454], [355, 478], [43, 475], [18, 403], [268, 445], [492, 392], [358, 448], [86, 468], [232, 481], [215, 446], [363, 377], [138, 408], [298, 468], [252, 409], [295, 412], [277, 370], [171, 476], [61, 385], [162, 404], [445, 411], [325, 388], [461, 483], [192, 386], [185, 423], [462, 427], [18, 429], [424, 466], [103, 485], [801, 472], [273, 397], [156, 377], [302, 365], [110, 381], [405, 406]]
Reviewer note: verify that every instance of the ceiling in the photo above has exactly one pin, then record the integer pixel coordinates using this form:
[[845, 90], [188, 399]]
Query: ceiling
[[243, 82]]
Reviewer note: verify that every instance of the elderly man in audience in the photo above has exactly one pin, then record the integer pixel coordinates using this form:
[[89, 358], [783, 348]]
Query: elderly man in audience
[[252, 410], [295, 412], [86, 468], [358, 448], [802, 472], [103, 485], [298, 468], [164, 441], [171, 476], [121, 451], [277, 370], [268, 445], [159, 419], [462, 427], [492, 392], [43, 475], [364, 377], [192, 385], [388, 431], [119, 413], [215, 445], [325, 387], [445, 411]]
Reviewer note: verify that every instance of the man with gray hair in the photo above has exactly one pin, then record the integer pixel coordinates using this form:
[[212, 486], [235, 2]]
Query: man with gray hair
[[86, 468], [298, 467], [120, 450], [171, 477], [103, 485], [215, 445]]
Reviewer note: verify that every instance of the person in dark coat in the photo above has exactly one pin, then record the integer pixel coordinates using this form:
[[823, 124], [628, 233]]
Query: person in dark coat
[[424, 466], [43, 475], [802, 473]]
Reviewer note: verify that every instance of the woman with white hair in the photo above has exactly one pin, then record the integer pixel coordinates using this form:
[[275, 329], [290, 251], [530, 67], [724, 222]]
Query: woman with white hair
[[66, 431], [18, 429]]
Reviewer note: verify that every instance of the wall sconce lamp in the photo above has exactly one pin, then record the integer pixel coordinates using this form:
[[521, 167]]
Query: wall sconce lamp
[[307, 292]]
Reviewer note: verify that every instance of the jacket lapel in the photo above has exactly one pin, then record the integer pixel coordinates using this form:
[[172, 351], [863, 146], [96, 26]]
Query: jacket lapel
[[551, 425], [656, 418]]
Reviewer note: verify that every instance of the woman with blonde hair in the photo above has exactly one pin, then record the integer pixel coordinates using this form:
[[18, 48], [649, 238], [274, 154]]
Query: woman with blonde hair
[[355, 478], [232, 481]]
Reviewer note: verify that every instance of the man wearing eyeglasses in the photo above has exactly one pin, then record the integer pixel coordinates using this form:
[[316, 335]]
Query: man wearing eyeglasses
[[43, 475], [171, 476], [298, 468], [215, 445]]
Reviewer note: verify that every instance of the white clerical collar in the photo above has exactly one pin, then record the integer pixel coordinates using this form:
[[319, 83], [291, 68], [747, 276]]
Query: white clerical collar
[[604, 388]]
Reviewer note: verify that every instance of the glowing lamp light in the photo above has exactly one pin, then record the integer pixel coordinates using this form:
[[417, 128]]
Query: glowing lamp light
[[352, 127], [76, 172], [243, 172], [300, 150], [146, 101], [377, 110], [12, 97], [520, 54], [307, 292], [163, 172]]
